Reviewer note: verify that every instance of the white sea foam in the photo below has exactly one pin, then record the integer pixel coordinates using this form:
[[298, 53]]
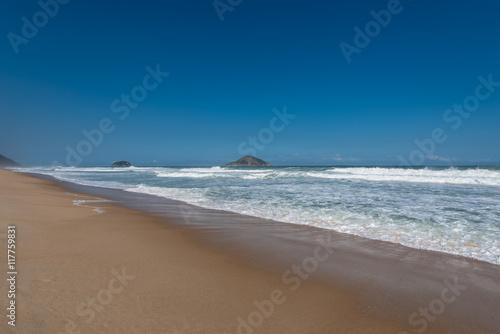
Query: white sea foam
[[84, 204], [451, 175], [448, 176]]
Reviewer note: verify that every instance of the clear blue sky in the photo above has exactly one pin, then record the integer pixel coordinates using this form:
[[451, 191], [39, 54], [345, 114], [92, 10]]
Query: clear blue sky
[[226, 77]]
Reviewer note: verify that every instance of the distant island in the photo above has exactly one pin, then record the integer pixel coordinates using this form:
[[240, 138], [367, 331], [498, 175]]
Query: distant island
[[247, 160], [121, 164], [6, 162]]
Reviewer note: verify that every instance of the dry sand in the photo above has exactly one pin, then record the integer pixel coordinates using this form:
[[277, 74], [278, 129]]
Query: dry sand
[[122, 271]]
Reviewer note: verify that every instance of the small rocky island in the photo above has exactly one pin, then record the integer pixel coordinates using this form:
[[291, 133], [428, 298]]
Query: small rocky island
[[121, 164], [6, 162], [247, 161]]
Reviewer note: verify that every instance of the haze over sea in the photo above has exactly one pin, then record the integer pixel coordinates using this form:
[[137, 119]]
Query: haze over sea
[[450, 209]]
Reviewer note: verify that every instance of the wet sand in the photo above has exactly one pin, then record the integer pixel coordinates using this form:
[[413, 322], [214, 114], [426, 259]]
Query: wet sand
[[203, 271]]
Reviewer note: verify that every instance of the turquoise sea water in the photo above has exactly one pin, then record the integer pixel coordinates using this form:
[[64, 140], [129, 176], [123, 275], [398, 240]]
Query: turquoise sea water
[[454, 210]]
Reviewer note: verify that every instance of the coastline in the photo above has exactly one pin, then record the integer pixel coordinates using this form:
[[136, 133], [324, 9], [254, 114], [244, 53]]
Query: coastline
[[204, 277]]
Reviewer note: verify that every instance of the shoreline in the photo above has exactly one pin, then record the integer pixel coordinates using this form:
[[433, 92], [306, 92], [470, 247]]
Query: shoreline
[[190, 212], [362, 285], [444, 235]]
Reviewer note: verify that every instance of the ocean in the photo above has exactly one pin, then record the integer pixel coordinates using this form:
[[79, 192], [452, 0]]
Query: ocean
[[454, 210]]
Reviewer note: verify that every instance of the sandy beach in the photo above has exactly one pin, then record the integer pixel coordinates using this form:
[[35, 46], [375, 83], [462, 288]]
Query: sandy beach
[[120, 270]]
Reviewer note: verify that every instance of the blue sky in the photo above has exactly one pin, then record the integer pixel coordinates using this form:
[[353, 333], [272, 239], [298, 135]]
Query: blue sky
[[226, 78]]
